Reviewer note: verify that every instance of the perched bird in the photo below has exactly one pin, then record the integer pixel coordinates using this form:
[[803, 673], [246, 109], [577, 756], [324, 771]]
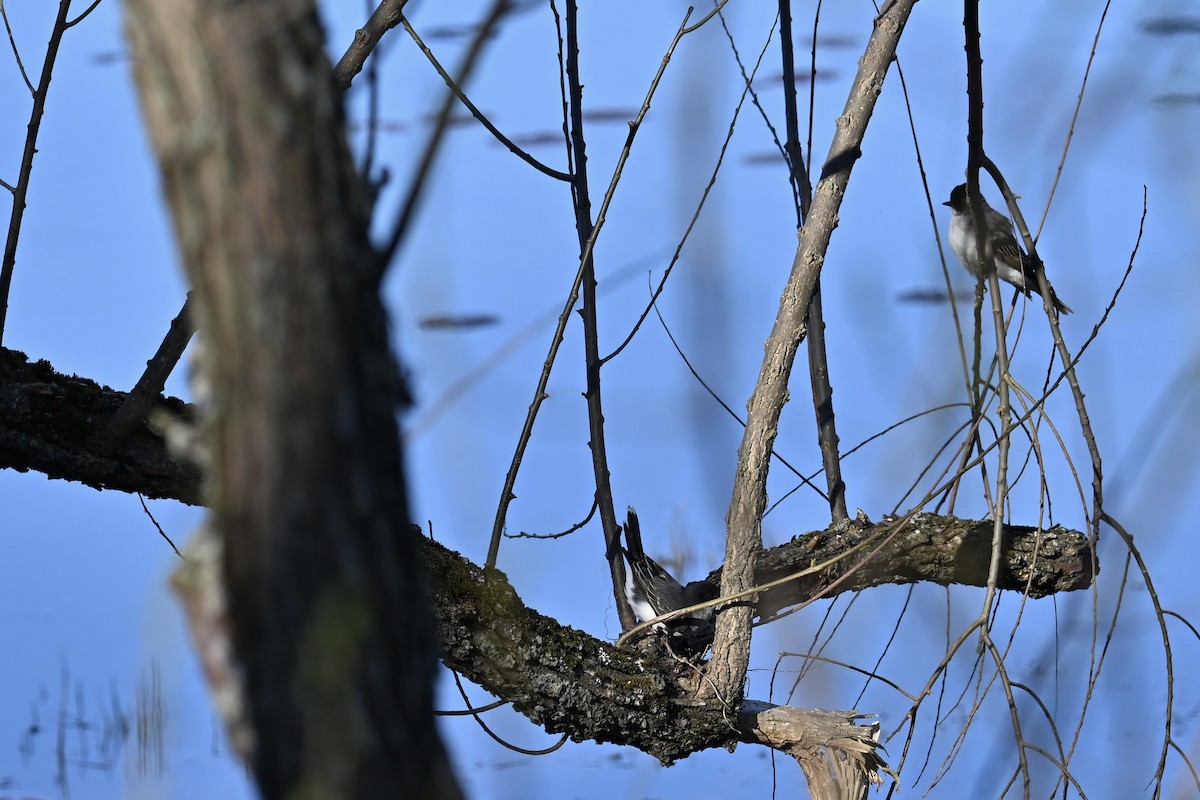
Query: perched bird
[[1011, 263], [652, 592]]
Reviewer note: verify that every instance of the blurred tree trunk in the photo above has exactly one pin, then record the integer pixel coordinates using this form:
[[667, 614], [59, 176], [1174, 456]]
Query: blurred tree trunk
[[326, 599]]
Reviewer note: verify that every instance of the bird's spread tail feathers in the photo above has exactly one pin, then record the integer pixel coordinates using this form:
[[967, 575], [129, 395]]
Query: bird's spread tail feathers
[[653, 592]]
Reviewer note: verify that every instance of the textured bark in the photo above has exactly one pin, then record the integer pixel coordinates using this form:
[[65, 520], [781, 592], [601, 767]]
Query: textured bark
[[565, 679], [945, 550], [326, 601], [144, 394], [576, 684], [55, 424], [840, 758], [48, 421], [562, 678], [749, 501], [573, 683], [385, 17]]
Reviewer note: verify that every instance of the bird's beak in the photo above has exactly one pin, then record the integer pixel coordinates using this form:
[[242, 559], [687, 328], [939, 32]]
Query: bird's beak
[[946, 203]]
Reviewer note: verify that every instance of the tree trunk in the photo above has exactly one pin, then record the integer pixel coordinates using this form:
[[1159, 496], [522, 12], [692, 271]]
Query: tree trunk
[[325, 597]]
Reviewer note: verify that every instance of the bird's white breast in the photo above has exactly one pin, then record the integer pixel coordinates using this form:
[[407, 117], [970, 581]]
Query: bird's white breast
[[963, 243]]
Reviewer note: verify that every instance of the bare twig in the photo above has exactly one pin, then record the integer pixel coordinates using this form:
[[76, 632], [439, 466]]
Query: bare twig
[[16, 53], [747, 91], [510, 479], [366, 38], [476, 714], [21, 190], [584, 229], [1064, 353], [1164, 634], [474, 376], [84, 15], [559, 534], [975, 159], [146, 391], [161, 532], [1074, 118], [437, 136], [818, 359], [804, 481], [444, 116]]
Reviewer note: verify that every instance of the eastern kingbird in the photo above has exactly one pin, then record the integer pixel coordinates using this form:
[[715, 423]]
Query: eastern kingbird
[[1010, 261], [652, 592]]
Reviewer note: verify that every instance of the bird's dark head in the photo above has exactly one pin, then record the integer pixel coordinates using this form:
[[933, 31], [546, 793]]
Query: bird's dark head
[[958, 198]]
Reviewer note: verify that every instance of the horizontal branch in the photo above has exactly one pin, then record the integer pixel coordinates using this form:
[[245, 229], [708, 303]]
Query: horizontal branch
[[562, 678], [56, 424], [857, 555], [573, 683]]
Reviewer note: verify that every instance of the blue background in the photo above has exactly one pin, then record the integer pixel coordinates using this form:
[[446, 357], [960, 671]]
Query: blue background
[[83, 598]]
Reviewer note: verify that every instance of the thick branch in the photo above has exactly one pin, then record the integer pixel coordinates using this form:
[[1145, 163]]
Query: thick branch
[[572, 683], [562, 678], [566, 679], [53, 424], [48, 421], [926, 547]]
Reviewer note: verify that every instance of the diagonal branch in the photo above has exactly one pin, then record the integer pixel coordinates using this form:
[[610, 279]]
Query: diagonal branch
[[818, 358], [439, 133], [443, 117], [146, 391], [744, 536], [385, 17]]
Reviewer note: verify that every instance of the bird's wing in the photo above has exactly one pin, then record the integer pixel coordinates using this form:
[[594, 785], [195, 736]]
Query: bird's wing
[[698, 592], [656, 586], [651, 588], [1009, 254]]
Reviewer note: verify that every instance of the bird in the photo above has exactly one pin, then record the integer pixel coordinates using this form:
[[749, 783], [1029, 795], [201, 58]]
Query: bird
[[1012, 264], [652, 592]]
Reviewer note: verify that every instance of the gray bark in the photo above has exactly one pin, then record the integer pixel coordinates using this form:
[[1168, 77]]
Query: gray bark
[[324, 595]]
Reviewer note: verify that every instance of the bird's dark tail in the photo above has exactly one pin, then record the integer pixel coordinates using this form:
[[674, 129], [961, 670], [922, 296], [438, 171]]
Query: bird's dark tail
[[633, 536]]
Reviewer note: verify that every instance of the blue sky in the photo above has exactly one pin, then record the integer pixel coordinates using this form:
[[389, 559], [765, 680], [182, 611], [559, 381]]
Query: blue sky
[[97, 282]]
